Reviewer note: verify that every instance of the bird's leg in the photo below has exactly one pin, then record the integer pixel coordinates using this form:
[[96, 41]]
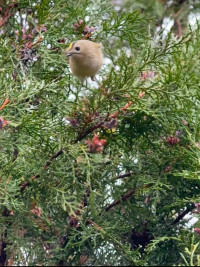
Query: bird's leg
[[94, 79]]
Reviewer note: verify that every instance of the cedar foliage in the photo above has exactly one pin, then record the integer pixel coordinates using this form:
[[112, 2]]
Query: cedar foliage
[[97, 174]]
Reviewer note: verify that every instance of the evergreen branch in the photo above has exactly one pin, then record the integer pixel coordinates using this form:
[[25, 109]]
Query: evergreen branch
[[82, 136]]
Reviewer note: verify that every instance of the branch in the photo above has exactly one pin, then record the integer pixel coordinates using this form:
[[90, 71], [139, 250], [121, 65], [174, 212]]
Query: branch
[[36, 42], [6, 101], [3, 255], [182, 214], [123, 198], [88, 131], [56, 155], [177, 28], [126, 196], [123, 175], [6, 14], [114, 115], [95, 225], [45, 166], [100, 124]]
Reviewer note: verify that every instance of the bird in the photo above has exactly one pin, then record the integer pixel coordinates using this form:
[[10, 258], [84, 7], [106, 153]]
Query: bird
[[85, 58]]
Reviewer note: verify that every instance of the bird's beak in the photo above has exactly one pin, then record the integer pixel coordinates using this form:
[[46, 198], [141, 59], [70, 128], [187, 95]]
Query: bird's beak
[[68, 52]]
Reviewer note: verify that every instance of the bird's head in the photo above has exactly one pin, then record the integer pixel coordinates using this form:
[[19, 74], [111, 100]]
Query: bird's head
[[82, 48]]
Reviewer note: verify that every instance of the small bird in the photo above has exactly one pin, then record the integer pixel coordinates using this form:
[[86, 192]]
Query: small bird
[[85, 58]]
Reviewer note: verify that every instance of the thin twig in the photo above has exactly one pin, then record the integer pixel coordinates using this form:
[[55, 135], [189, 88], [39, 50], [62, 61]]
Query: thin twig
[[88, 131], [45, 166], [6, 101], [182, 214], [95, 225], [54, 156], [36, 42], [126, 196], [123, 198], [123, 175]]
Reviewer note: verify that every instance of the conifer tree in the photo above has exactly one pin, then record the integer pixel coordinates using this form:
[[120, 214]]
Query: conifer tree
[[97, 173]]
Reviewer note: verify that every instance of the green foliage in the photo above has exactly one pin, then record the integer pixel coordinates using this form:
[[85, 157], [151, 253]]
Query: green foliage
[[62, 204]]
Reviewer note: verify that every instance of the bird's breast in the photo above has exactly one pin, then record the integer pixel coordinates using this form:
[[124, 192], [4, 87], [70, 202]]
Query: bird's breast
[[85, 65]]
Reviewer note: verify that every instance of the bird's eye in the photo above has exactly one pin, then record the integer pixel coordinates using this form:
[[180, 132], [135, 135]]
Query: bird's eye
[[77, 48]]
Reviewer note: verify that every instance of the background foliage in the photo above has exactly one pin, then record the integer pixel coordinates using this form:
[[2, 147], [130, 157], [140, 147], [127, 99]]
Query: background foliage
[[99, 174]]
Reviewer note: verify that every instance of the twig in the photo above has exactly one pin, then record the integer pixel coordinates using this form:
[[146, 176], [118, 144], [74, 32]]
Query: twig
[[36, 42], [123, 198], [3, 255], [6, 101], [126, 196], [115, 114], [86, 36], [100, 124], [182, 214], [95, 225], [177, 26], [45, 166], [123, 175], [90, 130], [6, 14], [60, 152]]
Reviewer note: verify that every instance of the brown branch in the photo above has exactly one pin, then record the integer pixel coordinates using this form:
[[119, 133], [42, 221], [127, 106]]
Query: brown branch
[[88, 131], [177, 28], [182, 214], [15, 154], [100, 124], [6, 101], [6, 14], [95, 225], [123, 198], [56, 155], [36, 42], [3, 255], [87, 36], [123, 175], [45, 166], [126, 196], [115, 114]]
